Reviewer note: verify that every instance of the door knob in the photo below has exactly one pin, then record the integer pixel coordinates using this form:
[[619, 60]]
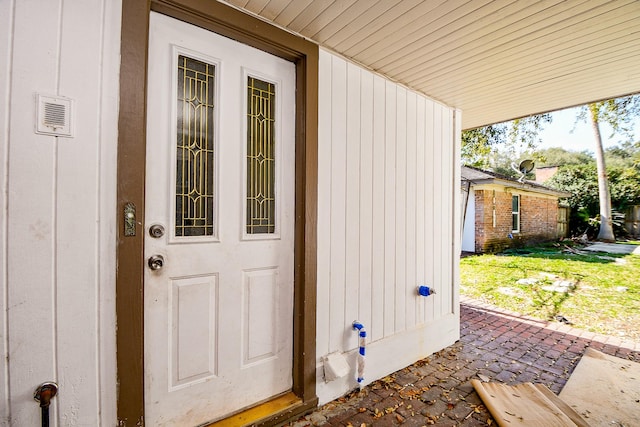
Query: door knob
[[156, 262]]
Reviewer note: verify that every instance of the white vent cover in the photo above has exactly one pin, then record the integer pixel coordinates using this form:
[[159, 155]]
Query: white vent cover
[[53, 115]]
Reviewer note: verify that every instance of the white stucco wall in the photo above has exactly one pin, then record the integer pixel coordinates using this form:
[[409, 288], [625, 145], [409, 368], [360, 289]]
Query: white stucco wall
[[387, 221], [57, 216]]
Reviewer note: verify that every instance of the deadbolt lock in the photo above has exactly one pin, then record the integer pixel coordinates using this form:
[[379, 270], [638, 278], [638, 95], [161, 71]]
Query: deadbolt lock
[[156, 231]]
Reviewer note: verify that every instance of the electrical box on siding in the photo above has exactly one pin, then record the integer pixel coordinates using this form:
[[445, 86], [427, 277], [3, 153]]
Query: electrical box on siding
[[335, 366], [54, 116]]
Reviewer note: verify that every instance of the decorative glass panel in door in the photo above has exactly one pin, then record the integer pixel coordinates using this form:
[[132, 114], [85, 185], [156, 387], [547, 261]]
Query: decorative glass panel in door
[[261, 157], [194, 207]]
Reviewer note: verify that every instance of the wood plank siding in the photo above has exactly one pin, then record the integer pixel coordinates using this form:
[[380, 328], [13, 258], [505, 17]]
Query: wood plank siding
[[57, 216], [377, 201], [386, 167]]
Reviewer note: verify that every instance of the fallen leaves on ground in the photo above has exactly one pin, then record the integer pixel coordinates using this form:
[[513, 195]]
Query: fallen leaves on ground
[[417, 395], [412, 393]]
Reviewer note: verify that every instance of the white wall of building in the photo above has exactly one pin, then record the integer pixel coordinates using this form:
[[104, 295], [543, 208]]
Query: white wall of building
[[387, 221], [388, 203], [57, 216], [469, 227]]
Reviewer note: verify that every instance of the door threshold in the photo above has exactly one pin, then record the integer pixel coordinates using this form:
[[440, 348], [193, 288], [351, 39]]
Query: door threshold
[[278, 410]]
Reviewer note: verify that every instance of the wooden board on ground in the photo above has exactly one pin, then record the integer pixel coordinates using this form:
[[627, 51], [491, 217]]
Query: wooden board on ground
[[526, 404], [605, 390]]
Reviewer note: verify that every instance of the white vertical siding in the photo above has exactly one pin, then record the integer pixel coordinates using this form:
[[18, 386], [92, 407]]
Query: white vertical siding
[[430, 208], [399, 284], [411, 177], [436, 200], [389, 208], [338, 208], [455, 208], [365, 199], [421, 200], [376, 326], [324, 211], [6, 22], [387, 159], [57, 236], [353, 209]]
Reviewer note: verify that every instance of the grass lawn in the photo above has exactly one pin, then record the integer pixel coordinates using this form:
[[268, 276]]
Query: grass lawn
[[594, 291]]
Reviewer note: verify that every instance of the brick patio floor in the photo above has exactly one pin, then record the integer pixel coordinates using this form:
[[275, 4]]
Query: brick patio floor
[[501, 345]]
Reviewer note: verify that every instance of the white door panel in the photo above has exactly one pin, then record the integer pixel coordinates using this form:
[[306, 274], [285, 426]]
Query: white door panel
[[220, 181]]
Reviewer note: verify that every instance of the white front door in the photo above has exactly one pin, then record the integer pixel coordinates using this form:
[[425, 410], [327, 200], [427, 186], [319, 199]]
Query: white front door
[[219, 228]]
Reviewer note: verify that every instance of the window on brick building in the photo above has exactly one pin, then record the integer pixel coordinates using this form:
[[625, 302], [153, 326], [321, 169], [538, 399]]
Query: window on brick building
[[515, 214]]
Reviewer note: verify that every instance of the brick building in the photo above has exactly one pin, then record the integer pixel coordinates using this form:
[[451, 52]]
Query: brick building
[[501, 212]]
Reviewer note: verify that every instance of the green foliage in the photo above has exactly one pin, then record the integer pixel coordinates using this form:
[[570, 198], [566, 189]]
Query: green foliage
[[525, 131], [624, 162], [625, 191], [557, 156], [581, 180], [479, 144], [624, 155], [618, 113], [500, 161]]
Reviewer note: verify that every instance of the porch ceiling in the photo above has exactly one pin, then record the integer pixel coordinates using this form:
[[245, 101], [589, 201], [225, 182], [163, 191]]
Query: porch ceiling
[[494, 59]]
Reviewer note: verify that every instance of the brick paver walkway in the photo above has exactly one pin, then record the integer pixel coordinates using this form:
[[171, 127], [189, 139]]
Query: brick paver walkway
[[500, 345]]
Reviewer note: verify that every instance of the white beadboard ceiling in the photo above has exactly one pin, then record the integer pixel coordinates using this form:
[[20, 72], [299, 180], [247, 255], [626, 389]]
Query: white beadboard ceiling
[[494, 59]]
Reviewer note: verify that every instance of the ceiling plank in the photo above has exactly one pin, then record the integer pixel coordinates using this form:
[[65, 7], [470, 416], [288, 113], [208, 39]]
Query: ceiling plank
[[548, 61], [493, 59], [563, 35], [572, 63], [513, 33]]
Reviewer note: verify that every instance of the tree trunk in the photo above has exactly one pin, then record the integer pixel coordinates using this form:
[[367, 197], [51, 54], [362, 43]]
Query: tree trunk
[[606, 226]]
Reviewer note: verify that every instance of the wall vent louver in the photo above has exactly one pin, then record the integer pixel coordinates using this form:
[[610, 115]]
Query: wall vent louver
[[53, 115]]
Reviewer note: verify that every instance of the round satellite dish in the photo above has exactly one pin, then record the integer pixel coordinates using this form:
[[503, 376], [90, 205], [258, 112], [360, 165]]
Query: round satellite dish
[[526, 166]]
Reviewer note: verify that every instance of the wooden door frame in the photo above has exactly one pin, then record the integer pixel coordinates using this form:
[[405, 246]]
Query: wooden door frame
[[242, 27]]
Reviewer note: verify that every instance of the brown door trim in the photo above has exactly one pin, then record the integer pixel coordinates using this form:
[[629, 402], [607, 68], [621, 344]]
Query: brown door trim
[[232, 23]]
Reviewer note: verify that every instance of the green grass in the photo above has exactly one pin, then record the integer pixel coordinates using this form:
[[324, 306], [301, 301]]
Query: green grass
[[604, 295]]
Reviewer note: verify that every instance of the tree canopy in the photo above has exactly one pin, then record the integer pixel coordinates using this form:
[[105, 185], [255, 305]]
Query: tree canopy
[[581, 180], [480, 144], [610, 180], [557, 156]]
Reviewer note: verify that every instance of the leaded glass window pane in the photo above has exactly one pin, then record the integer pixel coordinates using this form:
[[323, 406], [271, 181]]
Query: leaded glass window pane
[[195, 154], [261, 162]]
